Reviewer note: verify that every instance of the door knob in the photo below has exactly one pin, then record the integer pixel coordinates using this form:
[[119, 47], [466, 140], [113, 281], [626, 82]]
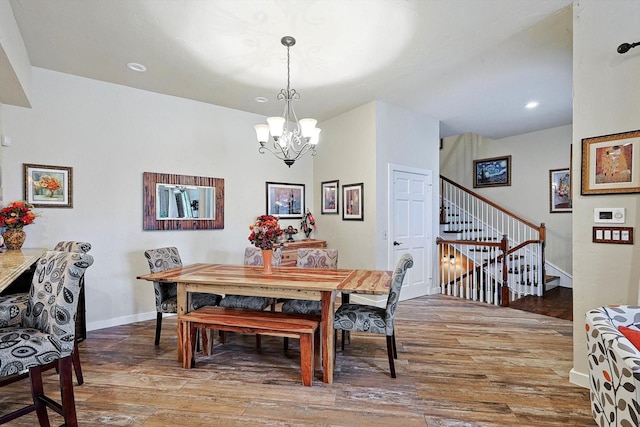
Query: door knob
[[396, 243]]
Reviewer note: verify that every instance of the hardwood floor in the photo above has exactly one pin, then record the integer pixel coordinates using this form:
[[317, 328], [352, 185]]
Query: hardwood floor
[[557, 302], [459, 364]]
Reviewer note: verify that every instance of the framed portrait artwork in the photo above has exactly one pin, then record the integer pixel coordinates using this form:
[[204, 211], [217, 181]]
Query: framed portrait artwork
[[611, 164], [329, 194], [492, 172], [285, 200], [559, 190], [48, 186], [353, 202]]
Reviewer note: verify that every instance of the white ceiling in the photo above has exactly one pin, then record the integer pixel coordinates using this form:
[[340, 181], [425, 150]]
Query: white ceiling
[[472, 64]]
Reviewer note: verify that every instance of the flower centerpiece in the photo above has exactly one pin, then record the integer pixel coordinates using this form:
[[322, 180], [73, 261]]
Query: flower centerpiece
[[308, 224], [264, 234], [14, 217]]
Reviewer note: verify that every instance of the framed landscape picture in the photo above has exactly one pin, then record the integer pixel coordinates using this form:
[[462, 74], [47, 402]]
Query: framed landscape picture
[[329, 202], [353, 202], [285, 200], [48, 186], [611, 164], [559, 190], [492, 172]]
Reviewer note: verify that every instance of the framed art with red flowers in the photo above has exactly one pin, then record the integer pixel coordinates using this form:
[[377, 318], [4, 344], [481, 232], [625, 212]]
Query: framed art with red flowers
[[48, 186]]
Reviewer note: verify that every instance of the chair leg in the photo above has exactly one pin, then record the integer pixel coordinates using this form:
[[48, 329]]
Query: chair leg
[[395, 347], [158, 327], [286, 343], [76, 363], [37, 392], [66, 392], [392, 367], [343, 335], [258, 341]]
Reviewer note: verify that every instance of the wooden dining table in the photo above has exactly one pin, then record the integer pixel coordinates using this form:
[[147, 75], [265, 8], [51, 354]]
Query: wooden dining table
[[284, 282], [15, 262]]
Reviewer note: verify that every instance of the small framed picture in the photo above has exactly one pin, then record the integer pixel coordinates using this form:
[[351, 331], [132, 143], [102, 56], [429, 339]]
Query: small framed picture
[[559, 190], [353, 202], [285, 200], [48, 186], [330, 197], [493, 172], [611, 164]]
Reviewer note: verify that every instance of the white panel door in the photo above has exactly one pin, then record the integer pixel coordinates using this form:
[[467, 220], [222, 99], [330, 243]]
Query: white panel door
[[410, 222]]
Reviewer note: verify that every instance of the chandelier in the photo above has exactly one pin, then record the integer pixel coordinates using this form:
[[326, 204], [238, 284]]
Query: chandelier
[[292, 138]]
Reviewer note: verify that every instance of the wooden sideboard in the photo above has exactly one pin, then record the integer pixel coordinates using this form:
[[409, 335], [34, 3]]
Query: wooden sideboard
[[290, 249]]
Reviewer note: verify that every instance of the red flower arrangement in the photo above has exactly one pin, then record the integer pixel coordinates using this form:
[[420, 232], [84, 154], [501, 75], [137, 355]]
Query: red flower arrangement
[[16, 215], [265, 232]]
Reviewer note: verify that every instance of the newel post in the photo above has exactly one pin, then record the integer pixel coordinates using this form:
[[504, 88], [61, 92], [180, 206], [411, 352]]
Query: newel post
[[504, 289]]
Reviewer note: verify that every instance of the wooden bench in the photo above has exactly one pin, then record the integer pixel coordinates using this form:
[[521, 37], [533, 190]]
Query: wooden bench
[[304, 327]]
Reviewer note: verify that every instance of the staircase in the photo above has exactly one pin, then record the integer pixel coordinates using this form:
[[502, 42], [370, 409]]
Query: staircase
[[487, 253]]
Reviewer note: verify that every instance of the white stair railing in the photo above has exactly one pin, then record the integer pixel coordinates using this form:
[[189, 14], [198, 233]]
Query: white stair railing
[[471, 264]]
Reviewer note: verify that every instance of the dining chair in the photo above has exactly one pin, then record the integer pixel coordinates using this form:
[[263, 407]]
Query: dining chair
[[253, 256], [376, 320], [163, 259], [46, 338], [13, 306], [310, 258]]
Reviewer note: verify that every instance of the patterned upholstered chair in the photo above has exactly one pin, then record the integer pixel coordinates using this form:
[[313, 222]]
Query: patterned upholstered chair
[[13, 306], [162, 259], [614, 364], [376, 320], [252, 256], [310, 258], [47, 335]]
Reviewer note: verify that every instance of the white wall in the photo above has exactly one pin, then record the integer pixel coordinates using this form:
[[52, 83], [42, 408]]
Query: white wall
[[606, 94], [532, 156], [110, 135]]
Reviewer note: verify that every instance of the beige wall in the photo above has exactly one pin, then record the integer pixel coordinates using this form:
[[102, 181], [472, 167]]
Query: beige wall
[[532, 156], [606, 94]]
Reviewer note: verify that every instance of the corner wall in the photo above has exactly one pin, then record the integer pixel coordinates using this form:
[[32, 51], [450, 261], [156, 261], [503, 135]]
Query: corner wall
[[606, 94]]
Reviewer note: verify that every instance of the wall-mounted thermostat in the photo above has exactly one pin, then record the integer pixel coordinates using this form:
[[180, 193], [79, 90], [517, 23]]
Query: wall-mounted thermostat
[[609, 215]]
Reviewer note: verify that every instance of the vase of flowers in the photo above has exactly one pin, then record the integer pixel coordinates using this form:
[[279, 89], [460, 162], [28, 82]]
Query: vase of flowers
[[14, 217], [264, 234]]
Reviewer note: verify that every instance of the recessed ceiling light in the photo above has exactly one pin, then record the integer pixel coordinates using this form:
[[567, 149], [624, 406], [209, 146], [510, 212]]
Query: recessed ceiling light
[[261, 99], [136, 67], [532, 104]]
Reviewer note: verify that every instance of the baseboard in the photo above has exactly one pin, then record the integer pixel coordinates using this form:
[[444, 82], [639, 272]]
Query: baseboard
[[124, 320], [578, 378]]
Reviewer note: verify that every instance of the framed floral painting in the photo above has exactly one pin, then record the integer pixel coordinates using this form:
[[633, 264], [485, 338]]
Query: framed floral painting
[[48, 186]]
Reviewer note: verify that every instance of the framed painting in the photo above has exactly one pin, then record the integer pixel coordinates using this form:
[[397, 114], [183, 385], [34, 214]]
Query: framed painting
[[353, 202], [48, 186], [330, 199], [492, 172], [559, 190], [611, 164], [285, 200]]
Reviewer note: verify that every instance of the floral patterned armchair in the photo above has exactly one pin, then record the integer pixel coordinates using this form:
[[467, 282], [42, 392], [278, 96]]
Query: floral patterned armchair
[[376, 320], [614, 366], [47, 335], [162, 259]]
